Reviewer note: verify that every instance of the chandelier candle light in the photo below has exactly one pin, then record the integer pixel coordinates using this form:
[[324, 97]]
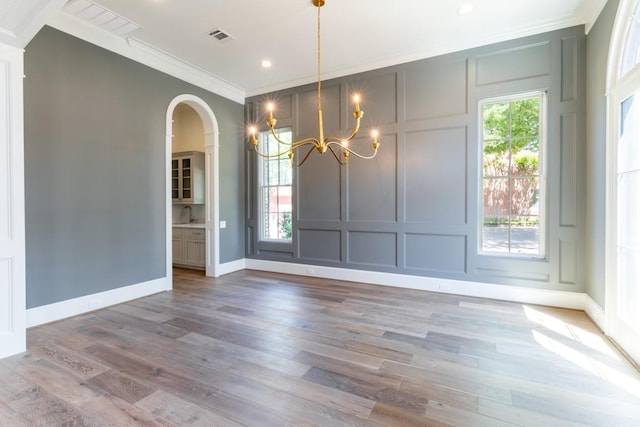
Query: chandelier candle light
[[339, 147]]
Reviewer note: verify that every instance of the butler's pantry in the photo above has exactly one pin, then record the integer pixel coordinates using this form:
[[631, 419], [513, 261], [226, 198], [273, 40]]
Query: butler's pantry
[[188, 189]]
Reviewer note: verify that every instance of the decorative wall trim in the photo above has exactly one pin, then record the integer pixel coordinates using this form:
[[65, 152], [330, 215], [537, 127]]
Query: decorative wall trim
[[73, 307], [147, 55], [572, 300]]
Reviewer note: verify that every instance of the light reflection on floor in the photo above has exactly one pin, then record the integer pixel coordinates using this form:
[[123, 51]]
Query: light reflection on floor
[[612, 367]]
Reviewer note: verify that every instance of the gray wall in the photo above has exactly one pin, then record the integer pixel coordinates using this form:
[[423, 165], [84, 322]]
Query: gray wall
[[95, 165], [597, 57], [414, 208]]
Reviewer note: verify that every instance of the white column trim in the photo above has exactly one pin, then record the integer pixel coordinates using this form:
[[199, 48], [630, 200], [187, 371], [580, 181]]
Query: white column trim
[[12, 212]]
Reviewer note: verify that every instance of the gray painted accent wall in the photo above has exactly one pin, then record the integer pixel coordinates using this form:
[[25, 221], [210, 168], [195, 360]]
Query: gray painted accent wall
[[597, 57], [414, 208], [95, 165]]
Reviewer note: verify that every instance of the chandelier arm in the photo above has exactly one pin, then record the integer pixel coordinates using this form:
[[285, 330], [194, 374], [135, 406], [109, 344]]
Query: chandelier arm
[[375, 151], [269, 156], [273, 133], [335, 155], [352, 151], [304, 159], [297, 144]]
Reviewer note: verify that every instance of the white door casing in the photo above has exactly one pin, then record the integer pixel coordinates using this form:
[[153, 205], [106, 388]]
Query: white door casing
[[12, 213], [212, 202]]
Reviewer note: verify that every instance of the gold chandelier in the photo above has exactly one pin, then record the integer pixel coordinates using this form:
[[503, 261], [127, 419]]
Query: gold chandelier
[[339, 147]]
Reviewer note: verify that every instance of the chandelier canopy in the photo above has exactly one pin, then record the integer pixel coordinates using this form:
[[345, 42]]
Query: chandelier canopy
[[339, 147]]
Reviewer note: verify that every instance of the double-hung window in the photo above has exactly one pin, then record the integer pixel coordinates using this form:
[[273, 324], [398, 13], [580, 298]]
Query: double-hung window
[[275, 188], [512, 141]]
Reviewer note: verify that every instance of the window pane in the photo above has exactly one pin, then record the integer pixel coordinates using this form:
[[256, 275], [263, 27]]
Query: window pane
[[628, 289], [628, 147], [275, 183], [511, 176], [524, 237], [496, 119], [629, 210], [525, 118], [632, 43], [496, 200], [495, 238]]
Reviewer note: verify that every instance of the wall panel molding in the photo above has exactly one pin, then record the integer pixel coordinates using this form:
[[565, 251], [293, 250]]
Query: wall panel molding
[[569, 78], [568, 169]]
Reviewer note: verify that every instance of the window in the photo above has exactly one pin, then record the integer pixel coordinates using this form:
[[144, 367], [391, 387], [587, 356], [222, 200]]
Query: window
[[512, 214], [623, 182], [275, 189]]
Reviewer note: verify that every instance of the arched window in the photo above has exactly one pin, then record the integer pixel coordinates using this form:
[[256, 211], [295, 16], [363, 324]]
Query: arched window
[[623, 181]]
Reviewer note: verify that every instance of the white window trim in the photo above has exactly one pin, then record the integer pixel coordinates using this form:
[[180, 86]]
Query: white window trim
[[542, 220], [260, 187]]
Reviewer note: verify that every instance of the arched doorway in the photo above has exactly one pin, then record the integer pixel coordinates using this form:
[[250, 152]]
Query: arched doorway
[[212, 202]]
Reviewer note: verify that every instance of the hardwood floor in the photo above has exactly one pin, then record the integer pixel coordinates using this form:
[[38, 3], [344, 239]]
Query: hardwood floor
[[261, 349]]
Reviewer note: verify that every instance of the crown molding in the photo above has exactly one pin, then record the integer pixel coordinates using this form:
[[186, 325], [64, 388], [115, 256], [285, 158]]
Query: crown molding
[[592, 15], [143, 53], [23, 19], [431, 51]]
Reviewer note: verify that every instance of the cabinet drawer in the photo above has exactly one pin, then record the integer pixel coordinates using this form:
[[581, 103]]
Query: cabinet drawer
[[177, 232], [194, 233]]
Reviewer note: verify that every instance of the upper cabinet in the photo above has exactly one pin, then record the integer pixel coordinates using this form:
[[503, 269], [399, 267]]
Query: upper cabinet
[[187, 177]]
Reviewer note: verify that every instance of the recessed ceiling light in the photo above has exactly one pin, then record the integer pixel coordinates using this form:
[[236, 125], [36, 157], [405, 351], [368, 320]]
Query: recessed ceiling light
[[266, 63], [465, 8]]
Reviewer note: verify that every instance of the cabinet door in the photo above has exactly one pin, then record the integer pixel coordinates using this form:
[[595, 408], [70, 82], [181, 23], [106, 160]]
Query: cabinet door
[[175, 179], [187, 177], [194, 252], [178, 250]]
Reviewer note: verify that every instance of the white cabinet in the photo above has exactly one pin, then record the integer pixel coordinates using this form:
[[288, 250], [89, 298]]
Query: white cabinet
[[187, 177], [189, 247]]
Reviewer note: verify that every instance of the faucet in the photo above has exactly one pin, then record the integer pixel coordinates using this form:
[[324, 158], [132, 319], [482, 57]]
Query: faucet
[[189, 217]]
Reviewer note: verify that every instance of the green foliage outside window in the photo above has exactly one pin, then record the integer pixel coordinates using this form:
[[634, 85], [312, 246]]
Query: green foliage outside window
[[285, 226], [511, 156]]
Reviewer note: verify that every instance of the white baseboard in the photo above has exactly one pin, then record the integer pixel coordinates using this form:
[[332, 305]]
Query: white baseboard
[[73, 307], [572, 300], [595, 312], [230, 267]]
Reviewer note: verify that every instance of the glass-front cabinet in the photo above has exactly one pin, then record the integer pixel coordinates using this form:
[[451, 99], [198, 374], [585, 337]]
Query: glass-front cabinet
[[187, 177]]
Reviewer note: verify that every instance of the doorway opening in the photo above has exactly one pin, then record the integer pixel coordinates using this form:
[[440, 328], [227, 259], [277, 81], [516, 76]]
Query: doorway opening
[[209, 213]]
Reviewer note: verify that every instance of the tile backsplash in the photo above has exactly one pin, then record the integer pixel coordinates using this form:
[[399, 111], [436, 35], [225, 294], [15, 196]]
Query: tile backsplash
[[180, 213]]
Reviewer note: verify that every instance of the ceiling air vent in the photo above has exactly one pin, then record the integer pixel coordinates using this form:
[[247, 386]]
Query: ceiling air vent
[[220, 34], [101, 17]]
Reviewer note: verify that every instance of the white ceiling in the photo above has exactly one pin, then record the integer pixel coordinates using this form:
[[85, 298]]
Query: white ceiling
[[357, 35]]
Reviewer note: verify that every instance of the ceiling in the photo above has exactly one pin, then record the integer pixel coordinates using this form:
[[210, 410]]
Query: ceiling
[[357, 35]]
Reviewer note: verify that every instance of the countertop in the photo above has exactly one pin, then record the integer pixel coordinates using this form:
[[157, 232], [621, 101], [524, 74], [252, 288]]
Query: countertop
[[189, 225]]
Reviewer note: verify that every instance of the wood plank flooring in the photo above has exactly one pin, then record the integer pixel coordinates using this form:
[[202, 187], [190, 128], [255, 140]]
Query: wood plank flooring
[[263, 349]]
